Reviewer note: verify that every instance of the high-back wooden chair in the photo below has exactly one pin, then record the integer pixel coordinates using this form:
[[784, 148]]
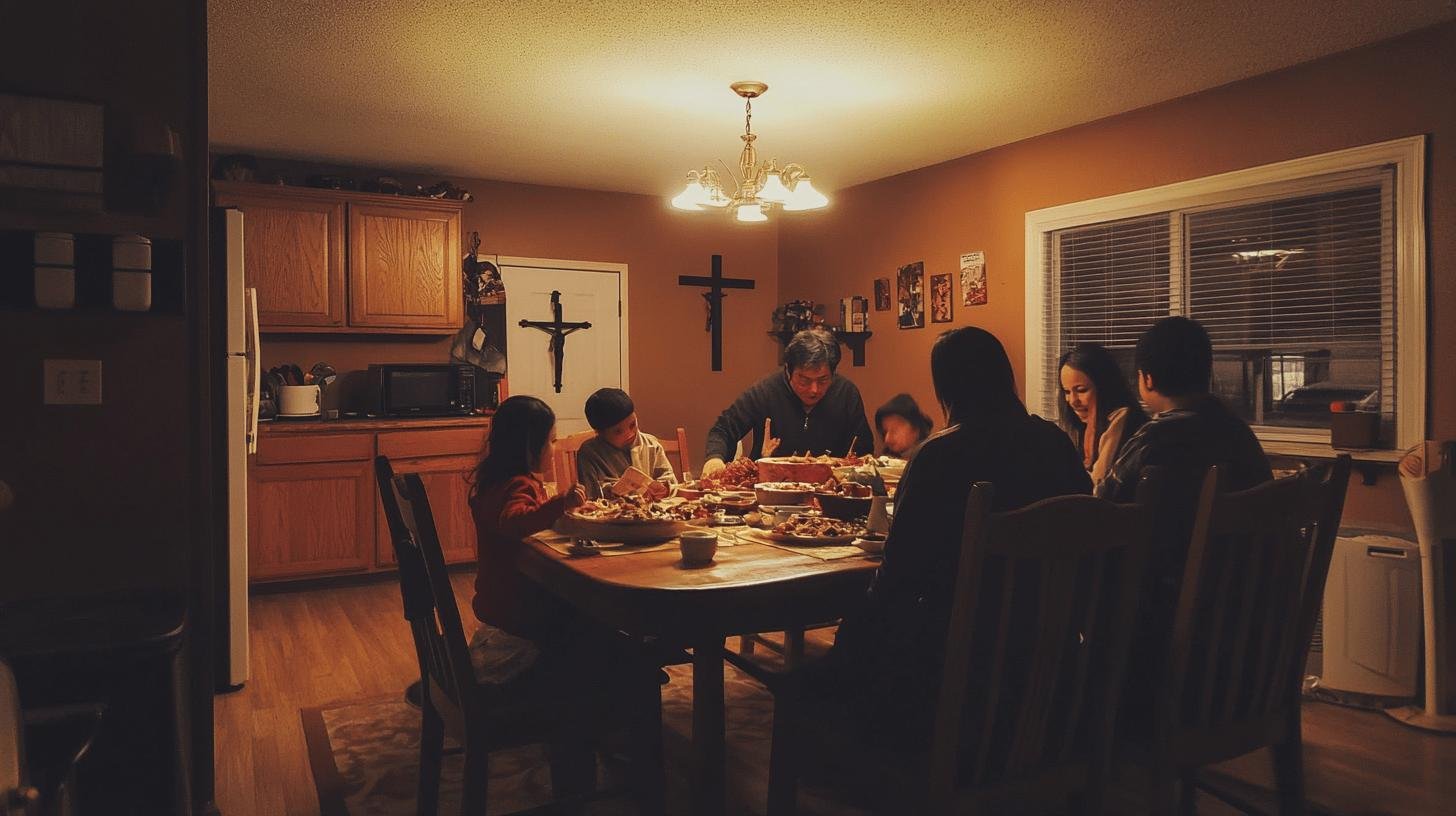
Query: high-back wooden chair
[[1252, 587], [677, 448], [1035, 649], [485, 718], [565, 459]]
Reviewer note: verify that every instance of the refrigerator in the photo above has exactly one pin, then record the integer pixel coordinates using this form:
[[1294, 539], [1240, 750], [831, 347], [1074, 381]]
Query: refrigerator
[[242, 384]]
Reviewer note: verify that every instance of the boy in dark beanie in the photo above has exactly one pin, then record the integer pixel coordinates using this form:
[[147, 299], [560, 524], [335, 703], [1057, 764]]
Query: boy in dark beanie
[[619, 445], [902, 426]]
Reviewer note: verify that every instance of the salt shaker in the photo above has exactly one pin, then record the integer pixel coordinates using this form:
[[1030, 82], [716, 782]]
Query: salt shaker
[[131, 273]]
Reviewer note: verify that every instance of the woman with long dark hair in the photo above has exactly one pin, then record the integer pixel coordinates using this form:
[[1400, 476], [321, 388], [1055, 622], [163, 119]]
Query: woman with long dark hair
[[889, 654], [1098, 409]]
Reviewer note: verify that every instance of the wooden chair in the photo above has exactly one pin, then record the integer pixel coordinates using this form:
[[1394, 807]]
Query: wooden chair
[[679, 445], [1230, 680], [1034, 654], [485, 718], [564, 462]]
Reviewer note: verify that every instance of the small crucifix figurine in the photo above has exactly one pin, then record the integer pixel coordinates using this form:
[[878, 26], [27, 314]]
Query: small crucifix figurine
[[558, 329], [716, 283]]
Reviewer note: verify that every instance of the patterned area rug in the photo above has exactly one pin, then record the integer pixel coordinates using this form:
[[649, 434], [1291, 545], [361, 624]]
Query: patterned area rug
[[365, 758]]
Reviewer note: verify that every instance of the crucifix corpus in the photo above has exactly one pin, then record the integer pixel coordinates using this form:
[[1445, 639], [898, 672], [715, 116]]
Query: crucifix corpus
[[716, 283], [558, 329]]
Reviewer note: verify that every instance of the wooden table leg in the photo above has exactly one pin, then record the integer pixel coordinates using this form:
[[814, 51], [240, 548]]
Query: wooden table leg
[[708, 750]]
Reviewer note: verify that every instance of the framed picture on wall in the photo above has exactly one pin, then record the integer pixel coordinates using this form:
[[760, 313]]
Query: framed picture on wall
[[882, 294], [910, 295], [940, 307], [973, 279]]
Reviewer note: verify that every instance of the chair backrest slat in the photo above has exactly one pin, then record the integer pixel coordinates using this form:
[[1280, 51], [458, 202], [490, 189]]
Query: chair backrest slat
[[678, 444], [429, 599], [1038, 635], [1252, 586], [564, 462]]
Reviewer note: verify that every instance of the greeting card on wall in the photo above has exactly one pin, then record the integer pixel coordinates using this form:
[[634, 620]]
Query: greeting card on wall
[[940, 298], [910, 295], [973, 279], [882, 294]]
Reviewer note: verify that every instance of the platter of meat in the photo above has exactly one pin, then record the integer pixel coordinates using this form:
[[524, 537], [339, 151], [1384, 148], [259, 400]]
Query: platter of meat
[[739, 474], [804, 529], [630, 519]]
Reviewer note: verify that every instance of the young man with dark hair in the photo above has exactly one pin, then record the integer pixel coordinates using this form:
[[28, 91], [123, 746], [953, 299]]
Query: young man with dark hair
[[620, 444], [809, 407]]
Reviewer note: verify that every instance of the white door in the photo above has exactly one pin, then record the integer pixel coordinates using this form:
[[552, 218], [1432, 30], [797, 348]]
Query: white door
[[594, 358]]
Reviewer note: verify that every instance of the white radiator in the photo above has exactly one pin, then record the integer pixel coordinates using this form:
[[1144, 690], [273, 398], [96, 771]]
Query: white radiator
[[1371, 623]]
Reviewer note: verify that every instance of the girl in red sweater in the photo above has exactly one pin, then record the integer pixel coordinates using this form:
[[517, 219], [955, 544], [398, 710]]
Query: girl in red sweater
[[509, 503]]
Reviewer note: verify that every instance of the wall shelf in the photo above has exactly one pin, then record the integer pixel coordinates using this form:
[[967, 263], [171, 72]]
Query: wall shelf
[[855, 341]]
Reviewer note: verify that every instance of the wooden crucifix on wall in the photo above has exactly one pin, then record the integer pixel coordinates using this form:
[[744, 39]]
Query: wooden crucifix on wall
[[558, 329], [716, 283]]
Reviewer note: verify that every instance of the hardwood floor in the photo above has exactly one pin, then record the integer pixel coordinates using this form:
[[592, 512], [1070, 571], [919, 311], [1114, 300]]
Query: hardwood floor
[[320, 646]]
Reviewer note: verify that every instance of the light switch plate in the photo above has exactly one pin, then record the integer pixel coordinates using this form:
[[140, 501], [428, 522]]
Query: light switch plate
[[72, 382]]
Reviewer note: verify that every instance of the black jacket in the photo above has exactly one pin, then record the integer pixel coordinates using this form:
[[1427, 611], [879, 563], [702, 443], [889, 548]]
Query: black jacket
[[890, 652], [837, 419]]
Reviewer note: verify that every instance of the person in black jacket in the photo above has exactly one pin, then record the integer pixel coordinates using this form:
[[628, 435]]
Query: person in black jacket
[[888, 655], [809, 408]]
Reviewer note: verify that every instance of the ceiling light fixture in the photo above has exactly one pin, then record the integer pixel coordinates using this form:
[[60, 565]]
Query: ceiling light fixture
[[757, 188]]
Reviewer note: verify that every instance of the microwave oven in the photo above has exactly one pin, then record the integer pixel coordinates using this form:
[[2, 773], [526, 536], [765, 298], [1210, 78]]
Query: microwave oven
[[424, 389]]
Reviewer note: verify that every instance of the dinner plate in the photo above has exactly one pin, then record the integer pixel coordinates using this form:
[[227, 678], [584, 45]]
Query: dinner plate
[[815, 541]]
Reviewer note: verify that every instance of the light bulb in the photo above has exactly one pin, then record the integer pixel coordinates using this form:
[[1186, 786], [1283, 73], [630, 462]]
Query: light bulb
[[805, 197], [774, 190], [691, 197], [751, 212]]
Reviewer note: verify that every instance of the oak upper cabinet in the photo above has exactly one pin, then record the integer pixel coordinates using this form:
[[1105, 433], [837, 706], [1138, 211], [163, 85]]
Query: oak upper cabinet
[[311, 506], [293, 254], [404, 267]]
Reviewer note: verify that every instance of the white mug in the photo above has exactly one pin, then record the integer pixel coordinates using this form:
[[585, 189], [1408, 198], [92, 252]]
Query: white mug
[[298, 400]]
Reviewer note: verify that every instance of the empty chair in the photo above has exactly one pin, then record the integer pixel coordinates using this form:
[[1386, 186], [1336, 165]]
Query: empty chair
[[484, 716], [1035, 648], [1229, 679]]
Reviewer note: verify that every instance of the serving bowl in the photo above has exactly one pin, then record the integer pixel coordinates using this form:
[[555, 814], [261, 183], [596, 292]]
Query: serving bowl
[[843, 507], [783, 492]]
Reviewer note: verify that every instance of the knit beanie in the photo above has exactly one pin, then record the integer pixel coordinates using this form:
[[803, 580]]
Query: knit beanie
[[903, 405], [608, 406]]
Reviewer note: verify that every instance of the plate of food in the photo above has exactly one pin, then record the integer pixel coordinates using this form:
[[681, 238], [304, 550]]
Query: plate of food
[[628, 519], [783, 492], [732, 501], [805, 529], [739, 474]]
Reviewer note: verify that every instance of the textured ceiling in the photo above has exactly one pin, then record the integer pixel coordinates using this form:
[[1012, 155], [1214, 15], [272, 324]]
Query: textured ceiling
[[628, 96]]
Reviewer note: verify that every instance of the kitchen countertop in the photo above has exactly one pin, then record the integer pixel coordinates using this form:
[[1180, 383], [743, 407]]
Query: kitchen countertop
[[307, 426]]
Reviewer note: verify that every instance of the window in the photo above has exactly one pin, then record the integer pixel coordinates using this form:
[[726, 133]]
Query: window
[[1308, 275]]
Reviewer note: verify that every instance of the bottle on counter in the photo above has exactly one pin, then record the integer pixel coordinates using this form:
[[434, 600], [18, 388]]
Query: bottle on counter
[[55, 270], [131, 273]]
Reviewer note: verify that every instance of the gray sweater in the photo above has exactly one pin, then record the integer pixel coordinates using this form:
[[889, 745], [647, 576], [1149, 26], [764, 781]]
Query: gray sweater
[[596, 461]]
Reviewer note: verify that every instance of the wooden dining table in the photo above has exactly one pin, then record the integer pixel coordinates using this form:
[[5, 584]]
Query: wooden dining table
[[749, 587]]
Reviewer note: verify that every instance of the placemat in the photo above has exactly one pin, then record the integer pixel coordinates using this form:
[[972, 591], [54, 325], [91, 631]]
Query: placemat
[[562, 544], [831, 552]]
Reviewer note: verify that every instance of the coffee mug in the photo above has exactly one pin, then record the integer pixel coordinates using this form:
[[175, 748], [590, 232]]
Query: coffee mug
[[298, 400], [698, 546]]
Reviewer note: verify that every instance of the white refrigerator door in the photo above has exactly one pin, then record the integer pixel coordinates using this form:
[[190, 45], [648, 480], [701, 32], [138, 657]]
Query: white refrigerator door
[[238, 421]]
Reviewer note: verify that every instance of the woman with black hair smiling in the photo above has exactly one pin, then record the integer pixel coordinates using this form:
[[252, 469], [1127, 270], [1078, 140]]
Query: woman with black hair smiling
[[1098, 408], [888, 656]]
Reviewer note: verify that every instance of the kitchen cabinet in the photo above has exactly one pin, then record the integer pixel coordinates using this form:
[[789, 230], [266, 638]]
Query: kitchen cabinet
[[404, 267], [293, 254], [354, 263], [314, 509]]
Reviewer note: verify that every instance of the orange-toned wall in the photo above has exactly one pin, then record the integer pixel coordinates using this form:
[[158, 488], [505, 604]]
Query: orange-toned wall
[[669, 363], [1392, 89]]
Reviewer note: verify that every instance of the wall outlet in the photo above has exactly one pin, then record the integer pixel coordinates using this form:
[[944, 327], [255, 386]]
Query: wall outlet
[[72, 382]]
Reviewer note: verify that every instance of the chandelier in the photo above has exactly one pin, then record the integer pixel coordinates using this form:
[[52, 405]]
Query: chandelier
[[757, 188]]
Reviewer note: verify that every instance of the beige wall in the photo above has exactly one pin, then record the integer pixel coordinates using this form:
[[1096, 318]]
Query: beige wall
[[1397, 88]]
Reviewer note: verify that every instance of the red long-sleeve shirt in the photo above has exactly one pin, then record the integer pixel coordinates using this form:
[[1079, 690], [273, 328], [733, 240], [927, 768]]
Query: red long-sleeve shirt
[[505, 513]]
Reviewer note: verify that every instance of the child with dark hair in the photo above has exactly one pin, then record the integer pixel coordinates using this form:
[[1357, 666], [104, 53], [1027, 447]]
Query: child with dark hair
[[1098, 409], [902, 426], [620, 444]]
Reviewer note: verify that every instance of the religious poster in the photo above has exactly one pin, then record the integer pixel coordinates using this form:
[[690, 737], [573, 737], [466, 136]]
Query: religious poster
[[973, 279], [940, 298], [882, 294], [910, 295]]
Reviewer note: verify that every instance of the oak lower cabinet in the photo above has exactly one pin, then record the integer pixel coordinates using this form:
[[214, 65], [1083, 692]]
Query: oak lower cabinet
[[310, 518], [446, 483]]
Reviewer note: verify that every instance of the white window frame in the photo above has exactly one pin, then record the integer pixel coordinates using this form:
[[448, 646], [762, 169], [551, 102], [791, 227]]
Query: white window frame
[[1282, 179]]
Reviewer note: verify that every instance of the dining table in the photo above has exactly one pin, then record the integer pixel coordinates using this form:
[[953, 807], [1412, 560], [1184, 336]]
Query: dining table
[[748, 587]]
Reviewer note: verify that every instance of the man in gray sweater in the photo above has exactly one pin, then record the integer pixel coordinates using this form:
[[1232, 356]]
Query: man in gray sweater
[[807, 406]]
